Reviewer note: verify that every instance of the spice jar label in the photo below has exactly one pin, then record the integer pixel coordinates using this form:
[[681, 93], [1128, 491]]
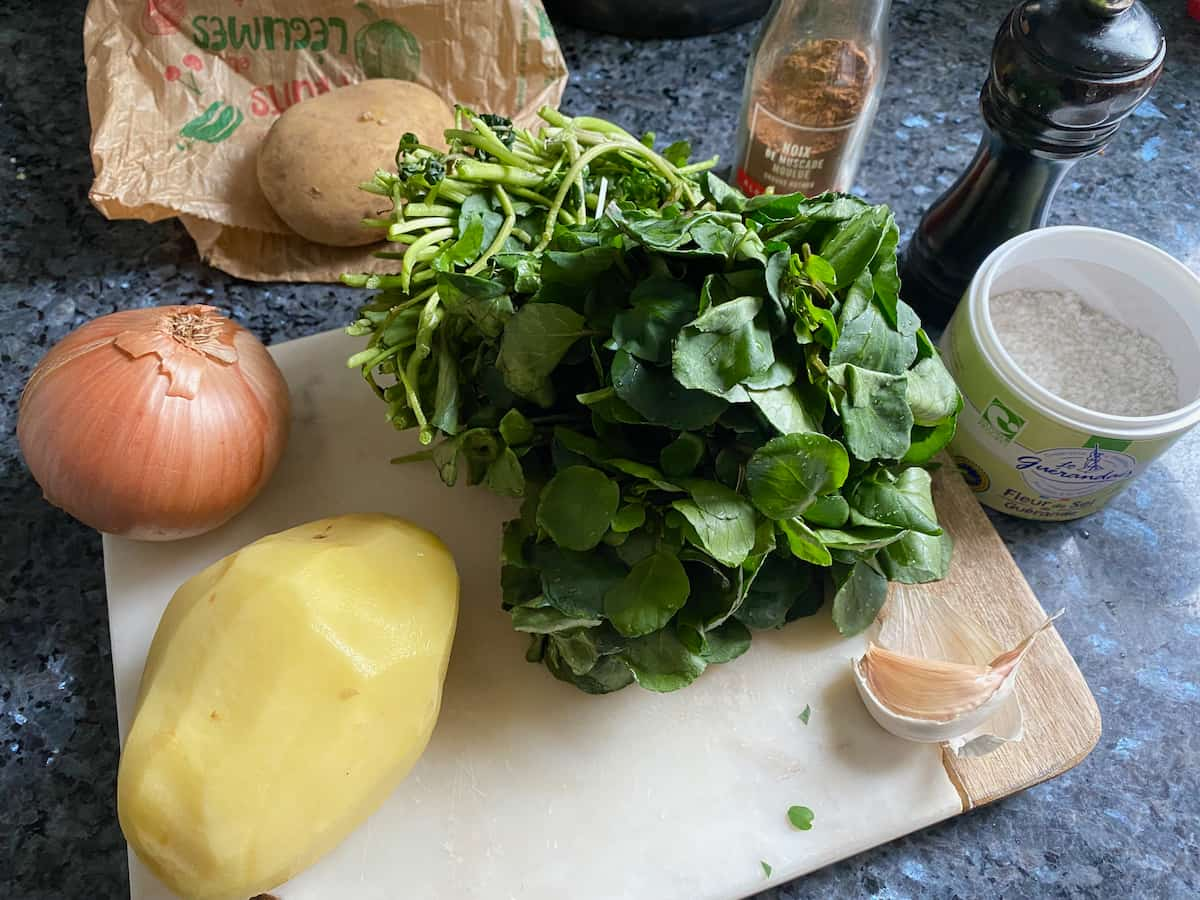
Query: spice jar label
[[790, 157], [804, 118]]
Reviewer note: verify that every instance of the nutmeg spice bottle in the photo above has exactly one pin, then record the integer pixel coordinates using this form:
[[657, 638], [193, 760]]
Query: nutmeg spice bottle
[[812, 88]]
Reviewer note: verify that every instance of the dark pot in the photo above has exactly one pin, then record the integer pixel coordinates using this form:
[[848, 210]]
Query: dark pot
[[656, 18]]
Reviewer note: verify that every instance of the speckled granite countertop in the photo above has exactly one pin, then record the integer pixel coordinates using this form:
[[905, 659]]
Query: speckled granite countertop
[[1122, 824]]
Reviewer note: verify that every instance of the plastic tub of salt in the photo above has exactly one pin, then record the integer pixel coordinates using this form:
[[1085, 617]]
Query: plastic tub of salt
[[1077, 352]]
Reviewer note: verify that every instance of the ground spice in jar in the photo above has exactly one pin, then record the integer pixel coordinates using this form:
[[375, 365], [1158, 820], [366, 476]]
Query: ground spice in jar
[[1078, 353], [801, 117]]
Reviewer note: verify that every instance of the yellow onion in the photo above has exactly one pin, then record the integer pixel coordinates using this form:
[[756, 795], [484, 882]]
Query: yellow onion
[[154, 424]]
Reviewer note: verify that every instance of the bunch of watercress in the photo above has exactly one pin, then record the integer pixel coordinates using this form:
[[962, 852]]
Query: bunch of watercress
[[717, 410]]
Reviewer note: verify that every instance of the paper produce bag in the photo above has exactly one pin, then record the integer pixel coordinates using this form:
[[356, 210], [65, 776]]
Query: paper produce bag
[[181, 93]]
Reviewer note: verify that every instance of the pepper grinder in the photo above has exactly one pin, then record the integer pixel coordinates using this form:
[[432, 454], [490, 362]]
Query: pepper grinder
[[1064, 75]]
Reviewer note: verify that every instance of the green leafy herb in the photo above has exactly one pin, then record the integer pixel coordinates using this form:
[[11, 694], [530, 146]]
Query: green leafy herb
[[788, 473], [722, 521], [766, 867], [713, 407], [861, 592], [801, 817], [577, 506], [648, 596], [534, 343], [805, 713]]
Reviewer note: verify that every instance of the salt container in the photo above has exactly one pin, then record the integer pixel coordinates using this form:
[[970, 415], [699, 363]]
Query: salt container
[[1030, 453]]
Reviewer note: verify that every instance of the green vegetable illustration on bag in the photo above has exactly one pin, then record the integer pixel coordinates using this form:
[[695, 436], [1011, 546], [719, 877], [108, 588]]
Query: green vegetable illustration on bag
[[385, 49], [215, 124]]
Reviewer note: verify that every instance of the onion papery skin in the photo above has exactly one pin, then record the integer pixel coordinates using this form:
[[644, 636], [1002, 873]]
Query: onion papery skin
[[138, 432]]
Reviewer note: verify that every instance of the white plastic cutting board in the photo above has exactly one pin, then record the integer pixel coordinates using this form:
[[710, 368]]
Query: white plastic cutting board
[[529, 788]]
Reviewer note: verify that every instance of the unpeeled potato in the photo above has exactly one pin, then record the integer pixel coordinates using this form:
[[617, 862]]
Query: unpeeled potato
[[318, 152], [289, 688]]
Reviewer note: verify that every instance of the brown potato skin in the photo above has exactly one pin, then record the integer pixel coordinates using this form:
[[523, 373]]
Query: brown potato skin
[[319, 151]]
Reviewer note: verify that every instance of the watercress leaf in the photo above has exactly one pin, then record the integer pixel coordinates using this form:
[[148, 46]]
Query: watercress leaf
[[783, 589], [723, 346], [681, 457], [907, 321], [788, 472], [726, 642], [657, 396], [927, 441], [781, 373], [820, 270], [721, 287], [447, 398], [859, 538], [791, 409], [515, 428], [906, 503], [830, 511], [861, 592], [582, 445], [648, 596], [821, 323], [917, 558], [925, 346], [677, 153], [660, 307], [477, 209], [637, 546], [576, 649], [729, 467], [715, 239], [579, 267], [505, 475], [723, 196], [667, 234], [534, 342], [546, 620], [482, 301], [715, 593], [885, 279], [607, 406], [931, 393], [728, 317], [577, 506], [575, 583], [479, 447], [849, 249], [644, 472], [867, 341], [518, 585], [723, 521], [801, 817], [776, 271], [804, 544], [525, 267], [827, 207], [629, 517], [661, 662], [766, 604], [607, 675], [875, 414]]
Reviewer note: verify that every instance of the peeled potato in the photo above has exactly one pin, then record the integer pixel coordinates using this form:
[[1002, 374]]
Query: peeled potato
[[319, 151], [289, 688]]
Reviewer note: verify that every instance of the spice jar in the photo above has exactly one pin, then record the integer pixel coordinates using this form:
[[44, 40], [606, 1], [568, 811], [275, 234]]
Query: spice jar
[[812, 88]]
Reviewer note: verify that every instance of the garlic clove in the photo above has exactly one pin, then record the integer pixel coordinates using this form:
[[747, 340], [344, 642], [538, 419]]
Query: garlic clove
[[934, 676]]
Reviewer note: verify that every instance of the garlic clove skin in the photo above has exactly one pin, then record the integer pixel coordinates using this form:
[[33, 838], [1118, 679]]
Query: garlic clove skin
[[1005, 727], [927, 730], [932, 676]]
